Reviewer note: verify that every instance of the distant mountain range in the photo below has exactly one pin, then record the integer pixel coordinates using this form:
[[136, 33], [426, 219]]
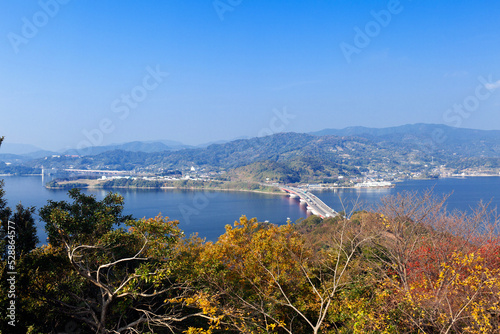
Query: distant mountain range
[[135, 146], [26, 152], [18, 149], [422, 148], [429, 137]]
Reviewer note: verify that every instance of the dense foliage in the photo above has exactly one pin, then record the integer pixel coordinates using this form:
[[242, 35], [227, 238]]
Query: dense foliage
[[407, 267]]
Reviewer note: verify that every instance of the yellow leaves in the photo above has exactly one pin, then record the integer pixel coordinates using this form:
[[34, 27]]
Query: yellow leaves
[[362, 314], [271, 327], [243, 221], [465, 284], [482, 319], [192, 330], [202, 301], [385, 221], [209, 307], [280, 323], [254, 261]]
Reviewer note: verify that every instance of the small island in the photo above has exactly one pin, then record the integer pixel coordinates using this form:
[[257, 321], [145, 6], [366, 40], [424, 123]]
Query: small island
[[156, 183]]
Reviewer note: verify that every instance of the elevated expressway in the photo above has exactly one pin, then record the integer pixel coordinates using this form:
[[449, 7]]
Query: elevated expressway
[[314, 204]]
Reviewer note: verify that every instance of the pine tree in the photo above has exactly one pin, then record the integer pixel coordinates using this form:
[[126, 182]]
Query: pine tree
[[26, 238]]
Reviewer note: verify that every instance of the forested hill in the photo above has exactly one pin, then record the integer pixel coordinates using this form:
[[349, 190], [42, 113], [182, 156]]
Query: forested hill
[[355, 150], [430, 137], [283, 148]]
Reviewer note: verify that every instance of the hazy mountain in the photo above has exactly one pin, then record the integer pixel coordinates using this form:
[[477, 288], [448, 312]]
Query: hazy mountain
[[419, 129], [135, 146], [219, 142], [18, 153], [143, 146], [19, 149], [175, 145], [411, 148], [13, 158], [430, 138], [39, 154], [303, 149]]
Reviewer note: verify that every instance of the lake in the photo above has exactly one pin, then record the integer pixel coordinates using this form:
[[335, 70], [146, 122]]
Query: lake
[[207, 212]]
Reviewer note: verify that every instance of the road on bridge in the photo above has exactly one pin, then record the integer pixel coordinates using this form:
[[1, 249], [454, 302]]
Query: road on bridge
[[317, 206]]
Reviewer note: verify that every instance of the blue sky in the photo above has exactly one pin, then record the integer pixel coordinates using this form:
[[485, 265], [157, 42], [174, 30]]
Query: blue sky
[[76, 73]]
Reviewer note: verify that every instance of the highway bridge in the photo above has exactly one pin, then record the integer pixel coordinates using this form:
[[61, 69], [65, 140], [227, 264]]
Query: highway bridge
[[97, 172], [314, 204]]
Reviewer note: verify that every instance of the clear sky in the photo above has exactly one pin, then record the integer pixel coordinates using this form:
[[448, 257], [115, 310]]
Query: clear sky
[[95, 72]]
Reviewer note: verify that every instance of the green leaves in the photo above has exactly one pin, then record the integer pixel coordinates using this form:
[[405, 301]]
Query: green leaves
[[123, 272], [84, 220]]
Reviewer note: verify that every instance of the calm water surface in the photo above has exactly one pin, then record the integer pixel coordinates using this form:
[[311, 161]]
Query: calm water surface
[[204, 212], [207, 213], [465, 193]]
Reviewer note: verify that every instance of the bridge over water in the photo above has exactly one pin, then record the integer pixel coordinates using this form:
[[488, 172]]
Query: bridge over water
[[314, 204]]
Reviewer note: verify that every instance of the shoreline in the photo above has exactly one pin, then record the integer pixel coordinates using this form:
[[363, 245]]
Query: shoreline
[[280, 193], [214, 189]]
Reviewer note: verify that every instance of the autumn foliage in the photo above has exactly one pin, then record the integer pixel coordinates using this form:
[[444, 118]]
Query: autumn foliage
[[408, 266]]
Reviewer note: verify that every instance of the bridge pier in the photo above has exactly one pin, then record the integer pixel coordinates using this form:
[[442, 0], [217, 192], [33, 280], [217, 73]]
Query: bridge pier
[[313, 203]]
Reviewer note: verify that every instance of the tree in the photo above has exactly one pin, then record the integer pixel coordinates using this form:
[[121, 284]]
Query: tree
[[442, 268], [26, 238], [115, 280], [83, 221], [405, 221], [267, 278], [22, 224]]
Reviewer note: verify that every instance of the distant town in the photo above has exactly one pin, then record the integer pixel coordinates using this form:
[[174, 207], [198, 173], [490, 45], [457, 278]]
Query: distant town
[[352, 157]]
